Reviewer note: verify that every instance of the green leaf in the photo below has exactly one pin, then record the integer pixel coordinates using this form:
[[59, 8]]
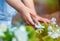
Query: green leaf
[[33, 39], [29, 28], [8, 35], [45, 30], [47, 38]]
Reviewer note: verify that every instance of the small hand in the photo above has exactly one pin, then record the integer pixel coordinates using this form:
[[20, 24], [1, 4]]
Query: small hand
[[26, 16], [31, 17]]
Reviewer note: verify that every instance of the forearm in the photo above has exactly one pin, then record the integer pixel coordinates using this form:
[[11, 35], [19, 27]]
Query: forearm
[[30, 4], [17, 4]]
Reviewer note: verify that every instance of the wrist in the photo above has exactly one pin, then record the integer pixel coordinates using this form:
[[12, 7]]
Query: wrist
[[23, 9]]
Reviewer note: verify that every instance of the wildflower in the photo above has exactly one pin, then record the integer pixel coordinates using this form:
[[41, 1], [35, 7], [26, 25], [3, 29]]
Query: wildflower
[[14, 39], [21, 34], [39, 26], [55, 35], [2, 34], [50, 28], [3, 28], [53, 21]]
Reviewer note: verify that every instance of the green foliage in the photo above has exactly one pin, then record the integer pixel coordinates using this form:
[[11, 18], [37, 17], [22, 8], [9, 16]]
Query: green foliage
[[37, 36], [45, 30], [32, 34], [8, 36], [29, 28], [47, 38]]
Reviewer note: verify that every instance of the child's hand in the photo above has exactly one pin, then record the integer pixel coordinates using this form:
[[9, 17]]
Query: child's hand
[[30, 17], [26, 16]]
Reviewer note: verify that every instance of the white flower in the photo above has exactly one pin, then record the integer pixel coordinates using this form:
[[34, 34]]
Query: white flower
[[21, 34], [2, 34], [39, 26], [56, 25], [50, 28], [13, 29], [58, 31], [53, 21], [3, 28], [49, 33], [22, 28], [55, 35], [14, 39]]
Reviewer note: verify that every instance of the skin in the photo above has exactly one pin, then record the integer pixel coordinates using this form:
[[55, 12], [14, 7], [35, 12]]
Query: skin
[[27, 11]]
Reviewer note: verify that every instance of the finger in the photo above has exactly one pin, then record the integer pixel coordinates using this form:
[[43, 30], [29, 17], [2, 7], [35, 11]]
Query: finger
[[30, 20], [35, 20], [33, 13], [25, 20], [42, 20], [34, 17], [47, 21]]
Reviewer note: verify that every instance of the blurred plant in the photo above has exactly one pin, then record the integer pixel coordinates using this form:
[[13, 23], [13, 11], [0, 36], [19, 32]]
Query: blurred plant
[[43, 32]]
